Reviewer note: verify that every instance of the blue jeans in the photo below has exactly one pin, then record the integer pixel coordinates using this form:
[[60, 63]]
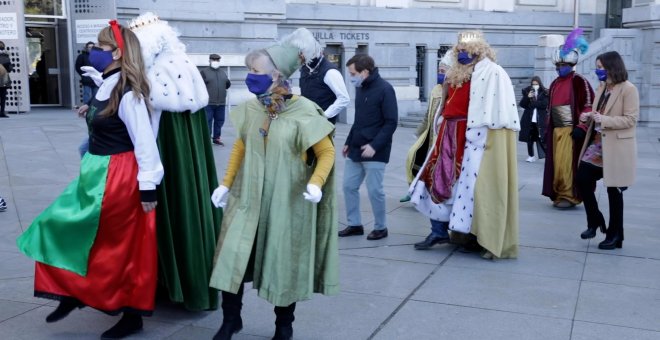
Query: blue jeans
[[439, 228], [88, 93], [84, 147], [215, 116], [354, 175]]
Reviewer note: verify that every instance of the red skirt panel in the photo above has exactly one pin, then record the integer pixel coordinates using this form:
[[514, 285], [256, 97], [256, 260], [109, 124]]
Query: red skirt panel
[[122, 269]]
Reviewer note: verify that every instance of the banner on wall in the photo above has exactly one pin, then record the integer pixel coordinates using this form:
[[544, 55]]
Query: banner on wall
[[88, 30], [8, 26]]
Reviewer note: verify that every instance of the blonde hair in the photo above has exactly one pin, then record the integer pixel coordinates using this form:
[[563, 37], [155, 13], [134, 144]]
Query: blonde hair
[[132, 69], [460, 73]]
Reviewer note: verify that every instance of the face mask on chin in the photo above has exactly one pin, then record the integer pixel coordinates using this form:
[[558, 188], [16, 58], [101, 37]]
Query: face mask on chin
[[258, 83], [215, 64]]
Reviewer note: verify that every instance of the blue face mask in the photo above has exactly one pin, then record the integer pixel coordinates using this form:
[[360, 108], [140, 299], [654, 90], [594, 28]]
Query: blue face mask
[[601, 74], [564, 70], [258, 83], [100, 59], [465, 58], [441, 78], [356, 80]]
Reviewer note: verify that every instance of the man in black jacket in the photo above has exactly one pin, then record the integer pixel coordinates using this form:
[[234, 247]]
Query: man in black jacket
[[88, 85], [368, 144], [5, 79], [217, 83]]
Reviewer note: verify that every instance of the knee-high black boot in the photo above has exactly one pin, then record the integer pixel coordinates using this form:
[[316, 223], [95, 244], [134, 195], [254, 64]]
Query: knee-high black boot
[[231, 315], [614, 238], [284, 322]]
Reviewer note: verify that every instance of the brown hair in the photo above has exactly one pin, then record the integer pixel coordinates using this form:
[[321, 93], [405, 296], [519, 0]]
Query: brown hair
[[362, 62], [613, 64], [132, 69]]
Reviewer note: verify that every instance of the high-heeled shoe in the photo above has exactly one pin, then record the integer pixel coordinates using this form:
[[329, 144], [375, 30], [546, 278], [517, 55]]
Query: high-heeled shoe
[[611, 244]]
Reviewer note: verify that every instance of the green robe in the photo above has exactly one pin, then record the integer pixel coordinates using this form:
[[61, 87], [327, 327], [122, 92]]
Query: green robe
[[296, 251], [188, 224]]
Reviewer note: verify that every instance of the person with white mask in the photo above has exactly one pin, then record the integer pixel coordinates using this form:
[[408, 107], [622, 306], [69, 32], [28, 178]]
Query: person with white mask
[[217, 83]]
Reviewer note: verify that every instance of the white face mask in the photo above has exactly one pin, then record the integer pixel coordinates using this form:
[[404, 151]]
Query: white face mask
[[535, 87], [215, 64]]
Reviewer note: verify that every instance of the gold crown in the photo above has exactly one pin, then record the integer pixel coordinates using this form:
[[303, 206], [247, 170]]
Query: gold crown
[[143, 20], [467, 37]]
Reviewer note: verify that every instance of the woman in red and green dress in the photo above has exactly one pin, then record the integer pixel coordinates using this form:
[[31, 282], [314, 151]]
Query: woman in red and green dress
[[96, 244]]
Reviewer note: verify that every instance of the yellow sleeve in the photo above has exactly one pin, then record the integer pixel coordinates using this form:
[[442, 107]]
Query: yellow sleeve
[[235, 160], [325, 160]]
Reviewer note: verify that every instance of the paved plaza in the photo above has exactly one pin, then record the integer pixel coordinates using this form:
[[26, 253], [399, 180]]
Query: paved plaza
[[560, 287]]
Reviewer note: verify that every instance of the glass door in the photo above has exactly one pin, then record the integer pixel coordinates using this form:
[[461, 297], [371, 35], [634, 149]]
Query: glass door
[[43, 69]]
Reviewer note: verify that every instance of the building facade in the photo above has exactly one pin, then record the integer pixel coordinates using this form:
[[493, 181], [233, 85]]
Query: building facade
[[407, 38]]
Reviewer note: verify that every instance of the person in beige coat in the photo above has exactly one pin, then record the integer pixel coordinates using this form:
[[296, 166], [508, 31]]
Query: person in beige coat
[[610, 147]]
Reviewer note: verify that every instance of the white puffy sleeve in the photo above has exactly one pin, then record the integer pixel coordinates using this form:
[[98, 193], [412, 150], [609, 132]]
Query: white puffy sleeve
[[133, 112]]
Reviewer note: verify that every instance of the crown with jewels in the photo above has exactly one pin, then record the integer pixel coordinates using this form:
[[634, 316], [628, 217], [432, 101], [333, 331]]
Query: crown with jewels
[[143, 20], [467, 37]]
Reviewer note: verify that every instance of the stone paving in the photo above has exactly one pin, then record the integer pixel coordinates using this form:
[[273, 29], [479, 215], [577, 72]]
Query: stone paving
[[560, 287]]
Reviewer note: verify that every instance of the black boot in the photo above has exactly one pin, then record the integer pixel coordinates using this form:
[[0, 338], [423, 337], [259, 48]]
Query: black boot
[[614, 238], [130, 323], [63, 309], [232, 322], [284, 317], [431, 240]]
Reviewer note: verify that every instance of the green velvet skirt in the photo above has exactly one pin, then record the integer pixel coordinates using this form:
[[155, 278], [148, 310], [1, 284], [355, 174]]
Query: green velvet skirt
[[187, 223]]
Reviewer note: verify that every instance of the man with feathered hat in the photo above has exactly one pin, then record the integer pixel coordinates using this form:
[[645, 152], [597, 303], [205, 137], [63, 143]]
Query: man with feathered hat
[[187, 225], [570, 95], [469, 188], [320, 81]]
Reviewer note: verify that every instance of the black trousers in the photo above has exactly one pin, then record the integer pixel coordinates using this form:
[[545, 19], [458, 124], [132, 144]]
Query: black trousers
[[232, 304], [534, 136], [587, 176], [3, 99]]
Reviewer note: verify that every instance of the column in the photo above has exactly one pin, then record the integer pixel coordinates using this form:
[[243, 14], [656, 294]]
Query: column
[[349, 116], [430, 70]]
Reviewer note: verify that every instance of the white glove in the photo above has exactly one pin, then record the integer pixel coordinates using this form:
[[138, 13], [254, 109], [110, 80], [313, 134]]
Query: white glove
[[91, 72], [220, 196], [313, 193]]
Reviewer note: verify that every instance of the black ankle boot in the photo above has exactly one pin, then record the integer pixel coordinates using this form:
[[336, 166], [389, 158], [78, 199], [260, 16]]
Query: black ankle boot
[[283, 332], [589, 233], [230, 326], [610, 244], [63, 309], [130, 323]]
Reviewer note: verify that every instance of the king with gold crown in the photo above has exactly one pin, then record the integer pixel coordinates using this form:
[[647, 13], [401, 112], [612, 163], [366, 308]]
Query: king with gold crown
[[468, 182]]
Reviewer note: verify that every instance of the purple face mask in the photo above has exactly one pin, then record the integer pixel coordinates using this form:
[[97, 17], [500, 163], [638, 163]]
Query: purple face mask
[[100, 59], [601, 74], [465, 57], [564, 70], [258, 83]]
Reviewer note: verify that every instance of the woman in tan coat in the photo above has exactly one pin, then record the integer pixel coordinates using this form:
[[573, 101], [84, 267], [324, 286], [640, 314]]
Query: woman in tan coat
[[610, 147]]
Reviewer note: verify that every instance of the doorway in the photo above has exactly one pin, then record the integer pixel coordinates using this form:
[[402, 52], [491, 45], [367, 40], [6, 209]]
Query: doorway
[[43, 65]]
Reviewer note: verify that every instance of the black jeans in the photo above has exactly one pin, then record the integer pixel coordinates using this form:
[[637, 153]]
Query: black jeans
[[232, 304], [534, 136], [587, 176], [3, 99]]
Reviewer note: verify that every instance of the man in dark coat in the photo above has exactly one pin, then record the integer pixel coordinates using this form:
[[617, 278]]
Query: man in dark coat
[[368, 144], [5, 79], [88, 85]]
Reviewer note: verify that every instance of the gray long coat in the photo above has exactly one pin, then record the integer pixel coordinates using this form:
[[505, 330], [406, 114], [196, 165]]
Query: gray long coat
[[618, 133]]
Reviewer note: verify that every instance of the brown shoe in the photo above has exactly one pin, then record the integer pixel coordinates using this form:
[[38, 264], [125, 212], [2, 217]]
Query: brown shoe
[[563, 204], [218, 141], [377, 234], [352, 231]]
